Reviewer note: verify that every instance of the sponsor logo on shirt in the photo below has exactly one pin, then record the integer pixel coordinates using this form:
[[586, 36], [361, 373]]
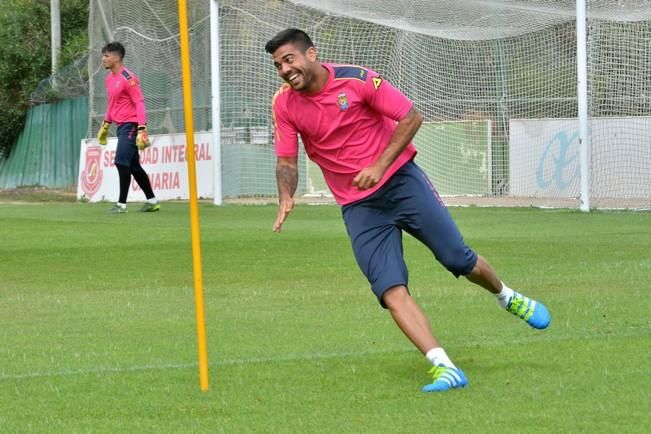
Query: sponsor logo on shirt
[[377, 81]]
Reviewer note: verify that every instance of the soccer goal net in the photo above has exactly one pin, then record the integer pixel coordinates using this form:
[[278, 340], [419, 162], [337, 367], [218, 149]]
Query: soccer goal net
[[496, 82]]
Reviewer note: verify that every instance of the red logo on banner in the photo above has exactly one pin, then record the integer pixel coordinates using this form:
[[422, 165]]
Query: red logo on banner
[[91, 177]]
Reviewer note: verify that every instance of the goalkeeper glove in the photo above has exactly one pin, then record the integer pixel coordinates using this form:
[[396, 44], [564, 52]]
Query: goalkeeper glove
[[142, 139], [102, 135]]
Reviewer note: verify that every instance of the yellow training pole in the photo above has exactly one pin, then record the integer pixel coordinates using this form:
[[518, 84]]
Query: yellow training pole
[[194, 210]]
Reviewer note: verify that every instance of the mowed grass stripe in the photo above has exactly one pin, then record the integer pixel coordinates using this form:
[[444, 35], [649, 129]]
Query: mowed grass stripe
[[97, 326], [324, 356]]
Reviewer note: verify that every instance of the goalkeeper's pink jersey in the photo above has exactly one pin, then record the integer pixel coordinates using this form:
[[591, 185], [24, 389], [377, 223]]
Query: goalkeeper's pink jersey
[[125, 100], [344, 128]]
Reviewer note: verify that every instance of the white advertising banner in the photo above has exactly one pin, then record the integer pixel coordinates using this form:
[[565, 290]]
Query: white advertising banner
[[164, 161], [544, 157]]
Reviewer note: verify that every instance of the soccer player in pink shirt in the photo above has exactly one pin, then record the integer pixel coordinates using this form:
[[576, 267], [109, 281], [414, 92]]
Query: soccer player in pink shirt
[[359, 128], [126, 107]]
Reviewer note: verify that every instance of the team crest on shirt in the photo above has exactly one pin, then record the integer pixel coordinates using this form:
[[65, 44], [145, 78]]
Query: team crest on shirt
[[342, 100]]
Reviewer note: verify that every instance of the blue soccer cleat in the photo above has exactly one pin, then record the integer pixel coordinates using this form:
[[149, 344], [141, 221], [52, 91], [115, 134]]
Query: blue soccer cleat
[[444, 378], [533, 312]]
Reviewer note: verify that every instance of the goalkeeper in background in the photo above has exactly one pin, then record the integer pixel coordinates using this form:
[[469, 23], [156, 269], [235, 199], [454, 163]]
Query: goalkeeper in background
[[358, 128], [126, 107]]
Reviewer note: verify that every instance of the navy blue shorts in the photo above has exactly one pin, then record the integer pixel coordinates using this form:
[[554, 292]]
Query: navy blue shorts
[[407, 202], [127, 152]]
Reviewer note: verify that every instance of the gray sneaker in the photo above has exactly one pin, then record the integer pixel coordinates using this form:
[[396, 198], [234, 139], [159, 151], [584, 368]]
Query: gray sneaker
[[117, 209], [150, 207]]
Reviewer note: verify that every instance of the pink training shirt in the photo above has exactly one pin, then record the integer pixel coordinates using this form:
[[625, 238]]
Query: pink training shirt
[[344, 128], [125, 100]]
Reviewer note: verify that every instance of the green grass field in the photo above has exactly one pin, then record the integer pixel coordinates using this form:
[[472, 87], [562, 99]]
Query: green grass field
[[98, 332]]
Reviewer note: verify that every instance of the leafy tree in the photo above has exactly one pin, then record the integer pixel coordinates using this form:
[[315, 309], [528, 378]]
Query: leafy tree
[[25, 55]]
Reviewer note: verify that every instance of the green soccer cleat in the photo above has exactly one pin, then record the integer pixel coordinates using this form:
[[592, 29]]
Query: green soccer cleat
[[444, 378], [117, 209], [150, 207], [533, 312]]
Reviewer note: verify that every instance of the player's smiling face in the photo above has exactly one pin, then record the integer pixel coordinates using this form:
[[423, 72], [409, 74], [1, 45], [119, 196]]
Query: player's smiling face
[[295, 66]]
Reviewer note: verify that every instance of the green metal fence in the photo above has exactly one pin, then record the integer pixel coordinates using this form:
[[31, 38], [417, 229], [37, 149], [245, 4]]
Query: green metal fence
[[47, 151]]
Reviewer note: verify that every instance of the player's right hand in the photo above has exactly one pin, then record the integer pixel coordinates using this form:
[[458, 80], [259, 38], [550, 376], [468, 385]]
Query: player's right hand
[[102, 135], [284, 208], [142, 139]]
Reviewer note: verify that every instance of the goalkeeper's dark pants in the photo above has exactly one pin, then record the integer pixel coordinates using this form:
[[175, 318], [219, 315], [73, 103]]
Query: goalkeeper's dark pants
[[127, 161]]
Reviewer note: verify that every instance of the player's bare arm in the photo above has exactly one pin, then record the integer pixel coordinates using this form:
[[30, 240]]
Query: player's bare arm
[[287, 180], [402, 136]]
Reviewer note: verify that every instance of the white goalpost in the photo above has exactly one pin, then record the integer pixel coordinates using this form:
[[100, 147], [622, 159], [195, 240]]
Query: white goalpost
[[531, 102], [582, 103], [215, 101]]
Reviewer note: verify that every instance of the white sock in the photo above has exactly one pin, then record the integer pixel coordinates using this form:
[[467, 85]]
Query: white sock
[[122, 205], [437, 357], [152, 201], [504, 296]]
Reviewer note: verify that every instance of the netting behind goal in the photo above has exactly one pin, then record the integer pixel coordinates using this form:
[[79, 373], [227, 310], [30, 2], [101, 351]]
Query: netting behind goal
[[495, 81], [150, 33]]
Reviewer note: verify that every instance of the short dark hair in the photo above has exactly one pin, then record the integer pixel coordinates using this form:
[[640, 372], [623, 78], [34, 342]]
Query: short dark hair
[[114, 47], [293, 36]]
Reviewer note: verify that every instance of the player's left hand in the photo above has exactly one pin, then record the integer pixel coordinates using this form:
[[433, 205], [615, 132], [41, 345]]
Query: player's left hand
[[142, 139], [368, 177]]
